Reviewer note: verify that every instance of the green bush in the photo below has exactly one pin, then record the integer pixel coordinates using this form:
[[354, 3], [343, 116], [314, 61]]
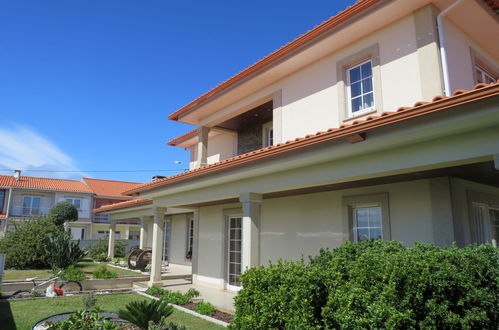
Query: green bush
[[61, 252], [25, 246], [89, 301], [141, 313], [100, 248], [101, 257], [103, 273], [192, 293], [83, 320], [63, 212], [176, 298], [73, 274], [206, 308], [375, 284], [155, 291]]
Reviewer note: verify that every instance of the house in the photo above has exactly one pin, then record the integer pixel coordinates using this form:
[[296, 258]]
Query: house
[[24, 196], [107, 192], [381, 122]]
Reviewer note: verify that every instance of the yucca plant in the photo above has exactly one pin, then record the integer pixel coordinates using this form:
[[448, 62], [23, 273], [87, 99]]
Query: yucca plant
[[141, 312]]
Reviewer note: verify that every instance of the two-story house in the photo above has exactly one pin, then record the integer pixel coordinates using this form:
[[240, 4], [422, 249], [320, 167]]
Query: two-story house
[[381, 122], [24, 196]]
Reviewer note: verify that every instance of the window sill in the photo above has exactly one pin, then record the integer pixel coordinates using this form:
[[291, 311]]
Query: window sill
[[360, 115]]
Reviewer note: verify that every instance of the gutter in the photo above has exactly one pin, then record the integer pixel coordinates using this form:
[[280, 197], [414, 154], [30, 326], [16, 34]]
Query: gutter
[[443, 51]]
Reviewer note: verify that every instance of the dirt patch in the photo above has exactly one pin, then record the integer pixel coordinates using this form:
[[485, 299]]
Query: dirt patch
[[221, 316]]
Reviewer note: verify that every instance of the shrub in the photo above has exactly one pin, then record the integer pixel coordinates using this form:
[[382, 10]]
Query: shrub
[[101, 257], [73, 274], [155, 291], [103, 273], [61, 252], [192, 293], [375, 284], [206, 308], [63, 212], [101, 248], [141, 313], [176, 298], [89, 301], [24, 247], [83, 320]]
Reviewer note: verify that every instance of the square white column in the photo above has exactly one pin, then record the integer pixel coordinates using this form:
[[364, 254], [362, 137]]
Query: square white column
[[143, 233], [112, 231], [250, 230], [157, 245]]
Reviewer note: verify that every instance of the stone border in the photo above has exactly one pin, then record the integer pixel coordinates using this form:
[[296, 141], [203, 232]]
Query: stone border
[[188, 311]]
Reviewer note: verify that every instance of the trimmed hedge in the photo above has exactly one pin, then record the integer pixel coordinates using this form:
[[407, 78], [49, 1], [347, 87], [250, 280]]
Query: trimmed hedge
[[375, 284]]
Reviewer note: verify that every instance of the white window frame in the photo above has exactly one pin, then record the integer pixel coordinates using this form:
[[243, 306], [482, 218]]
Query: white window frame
[[355, 226], [484, 74], [351, 113], [30, 208], [190, 237], [72, 201], [268, 134], [230, 286]]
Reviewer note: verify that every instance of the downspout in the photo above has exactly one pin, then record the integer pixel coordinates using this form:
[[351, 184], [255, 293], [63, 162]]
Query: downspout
[[8, 210], [443, 52]]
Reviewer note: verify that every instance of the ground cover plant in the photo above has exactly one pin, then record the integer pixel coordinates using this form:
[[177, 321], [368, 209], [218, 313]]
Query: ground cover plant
[[104, 273], [375, 284], [98, 251], [23, 314]]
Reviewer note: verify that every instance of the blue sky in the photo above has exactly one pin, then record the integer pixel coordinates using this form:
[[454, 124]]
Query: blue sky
[[87, 84]]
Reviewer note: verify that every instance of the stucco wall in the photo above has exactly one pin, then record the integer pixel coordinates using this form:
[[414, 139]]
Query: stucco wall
[[220, 147], [297, 226], [461, 68]]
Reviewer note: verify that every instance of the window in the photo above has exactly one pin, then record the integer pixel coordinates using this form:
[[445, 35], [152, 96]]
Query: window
[[76, 202], [485, 223], [134, 235], [31, 205], [102, 234], [360, 88], [234, 264], [190, 236], [366, 223], [367, 217], [483, 76], [268, 134], [2, 199]]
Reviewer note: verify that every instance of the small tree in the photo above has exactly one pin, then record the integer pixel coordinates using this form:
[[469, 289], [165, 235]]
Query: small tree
[[63, 212], [61, 252]]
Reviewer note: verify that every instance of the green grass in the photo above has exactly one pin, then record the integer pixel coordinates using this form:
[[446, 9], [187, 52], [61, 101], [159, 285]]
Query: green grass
[[23, 314], [86, 265]]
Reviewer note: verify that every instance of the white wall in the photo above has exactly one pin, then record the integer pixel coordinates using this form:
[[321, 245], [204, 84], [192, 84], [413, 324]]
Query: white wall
[[178, 240], [461, 68], [220, 147]]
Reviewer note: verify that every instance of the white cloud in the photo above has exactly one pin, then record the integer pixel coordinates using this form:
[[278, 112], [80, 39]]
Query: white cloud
[[25, 149]]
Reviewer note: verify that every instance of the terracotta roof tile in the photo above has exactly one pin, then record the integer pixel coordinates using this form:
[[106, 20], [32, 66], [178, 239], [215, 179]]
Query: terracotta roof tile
[[43, 183], [480, 91], [183, 138], [3, 216], [123, 205], [109, 188]]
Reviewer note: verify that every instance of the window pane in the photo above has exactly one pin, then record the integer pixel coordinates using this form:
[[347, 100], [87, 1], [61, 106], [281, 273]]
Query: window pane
[[367, 85], [77, 203], [36, 202], [356, 104], [362, 235], [362, 217], [375, 217], [235, 234], [354, 74], [375, 233], [366, 70], [368, 101], [355, 89], [27, 202]]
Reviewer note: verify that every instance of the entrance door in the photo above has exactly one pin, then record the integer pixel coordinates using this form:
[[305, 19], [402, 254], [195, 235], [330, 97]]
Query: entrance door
[[234, 253], [166, 240]]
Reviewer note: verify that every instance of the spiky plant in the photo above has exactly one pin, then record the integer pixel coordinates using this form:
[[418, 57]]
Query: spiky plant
[[141, 312]]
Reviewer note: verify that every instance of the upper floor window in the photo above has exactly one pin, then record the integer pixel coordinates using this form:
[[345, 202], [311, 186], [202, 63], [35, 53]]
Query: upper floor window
[[483, 76], [2, 199], [75, 201], [268, 134], [31, 205], [360, 88]]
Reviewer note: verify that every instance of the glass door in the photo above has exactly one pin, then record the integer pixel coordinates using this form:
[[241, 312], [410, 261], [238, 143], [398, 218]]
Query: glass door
[[166, 241], [234, 253]]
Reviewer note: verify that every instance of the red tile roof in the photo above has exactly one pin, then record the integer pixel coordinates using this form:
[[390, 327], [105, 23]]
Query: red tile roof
[[123, 205], [109, 188], [3, 216], [310, 35], [43, 183], [183, 138], [439, 103]]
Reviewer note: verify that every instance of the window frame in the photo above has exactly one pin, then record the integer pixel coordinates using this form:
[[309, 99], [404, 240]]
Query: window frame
[[369, 53], [30, 208], [352, 113], [268, 134], [478, 61], [377, 199], [72, 200]]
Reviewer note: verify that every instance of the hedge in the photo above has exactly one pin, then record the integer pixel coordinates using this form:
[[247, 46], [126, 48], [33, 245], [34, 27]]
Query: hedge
[[375, 284]]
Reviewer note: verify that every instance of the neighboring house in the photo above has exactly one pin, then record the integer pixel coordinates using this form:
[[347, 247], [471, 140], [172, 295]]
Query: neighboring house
[[23, 196], [381, 122], [108, 192]]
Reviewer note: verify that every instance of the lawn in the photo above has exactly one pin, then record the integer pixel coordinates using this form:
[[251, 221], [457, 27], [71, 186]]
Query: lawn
[[23, 314], [86, 265]]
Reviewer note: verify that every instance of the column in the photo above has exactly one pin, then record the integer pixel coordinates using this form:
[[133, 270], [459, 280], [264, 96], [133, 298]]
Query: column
[[112, 232], [143, 233], [202, 147], [157, 245], [250, 229]]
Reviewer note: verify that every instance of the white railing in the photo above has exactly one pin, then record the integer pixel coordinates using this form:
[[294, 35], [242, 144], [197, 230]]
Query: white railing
[[105, 219], [20, 211]]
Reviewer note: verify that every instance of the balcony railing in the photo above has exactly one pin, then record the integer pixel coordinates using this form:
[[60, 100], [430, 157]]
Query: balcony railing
[[104, 219], [20, 211]]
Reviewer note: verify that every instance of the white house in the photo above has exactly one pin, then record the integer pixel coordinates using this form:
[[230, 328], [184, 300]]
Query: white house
[[381, 122]]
